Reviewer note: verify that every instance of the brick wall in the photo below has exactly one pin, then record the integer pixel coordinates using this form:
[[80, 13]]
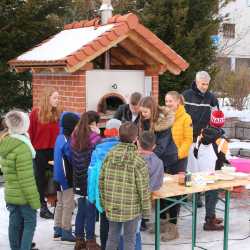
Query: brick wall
[[71, 87], [155, 87]]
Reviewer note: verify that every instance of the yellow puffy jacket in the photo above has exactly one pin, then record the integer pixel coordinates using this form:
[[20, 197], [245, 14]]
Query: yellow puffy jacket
[[182, 132]]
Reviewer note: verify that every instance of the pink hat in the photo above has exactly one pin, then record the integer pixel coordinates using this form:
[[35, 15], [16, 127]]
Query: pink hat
[[217, 119]]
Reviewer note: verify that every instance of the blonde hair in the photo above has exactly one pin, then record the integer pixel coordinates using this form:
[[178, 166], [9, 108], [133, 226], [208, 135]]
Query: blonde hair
[[177, 96], [47, 113]]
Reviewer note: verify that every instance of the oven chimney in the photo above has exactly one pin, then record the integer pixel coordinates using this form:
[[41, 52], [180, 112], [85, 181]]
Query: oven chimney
[[106, 11]]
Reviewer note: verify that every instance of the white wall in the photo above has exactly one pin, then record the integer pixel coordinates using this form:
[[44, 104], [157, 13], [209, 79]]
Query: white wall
[[100, 82], [239, 14]]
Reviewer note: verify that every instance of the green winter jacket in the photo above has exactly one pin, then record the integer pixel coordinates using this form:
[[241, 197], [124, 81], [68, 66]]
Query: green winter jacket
[[16, 162]]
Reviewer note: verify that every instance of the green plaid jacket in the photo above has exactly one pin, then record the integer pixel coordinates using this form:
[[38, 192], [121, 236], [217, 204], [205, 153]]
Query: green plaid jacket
[[124, 184]]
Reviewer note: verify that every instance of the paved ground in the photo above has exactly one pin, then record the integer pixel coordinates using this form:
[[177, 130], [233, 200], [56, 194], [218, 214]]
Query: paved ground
[[239, 230]]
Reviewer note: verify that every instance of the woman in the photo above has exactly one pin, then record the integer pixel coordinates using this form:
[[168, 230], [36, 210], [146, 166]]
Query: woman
[[83, 141], [182, 134], [43, 130]]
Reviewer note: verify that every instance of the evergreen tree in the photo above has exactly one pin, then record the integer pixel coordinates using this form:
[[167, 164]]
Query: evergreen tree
[[24, 24], [186, 26]]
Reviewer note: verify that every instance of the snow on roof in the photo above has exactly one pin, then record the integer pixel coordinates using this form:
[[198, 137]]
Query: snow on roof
[[64, 43]]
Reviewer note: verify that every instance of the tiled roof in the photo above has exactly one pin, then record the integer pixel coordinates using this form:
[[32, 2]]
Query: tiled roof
[[103, 37]]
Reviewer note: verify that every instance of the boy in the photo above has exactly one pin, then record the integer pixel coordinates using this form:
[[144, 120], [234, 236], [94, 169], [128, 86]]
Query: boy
[[21, 195], [63, 177], [124, 188], [210, 151], [155, 164]]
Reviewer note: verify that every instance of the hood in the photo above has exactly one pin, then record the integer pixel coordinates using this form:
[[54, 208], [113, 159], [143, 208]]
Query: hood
[[67, 123], [8, 144], [165, 120], [210, 135]]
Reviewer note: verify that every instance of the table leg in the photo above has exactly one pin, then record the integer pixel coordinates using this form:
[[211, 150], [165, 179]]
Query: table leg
[[194, 219], [157, 224], [226, 218]]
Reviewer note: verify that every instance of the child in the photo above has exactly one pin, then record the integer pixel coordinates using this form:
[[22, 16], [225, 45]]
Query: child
[[155, 165], [63, 177], [124, 188], [210, 151], [21, 195], [83, 141], [111, 133]]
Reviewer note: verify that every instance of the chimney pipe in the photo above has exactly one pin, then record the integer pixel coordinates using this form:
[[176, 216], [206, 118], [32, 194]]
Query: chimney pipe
[[106, 11]]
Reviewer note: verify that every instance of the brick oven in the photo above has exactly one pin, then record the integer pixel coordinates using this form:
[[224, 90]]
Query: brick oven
[[97, 65]]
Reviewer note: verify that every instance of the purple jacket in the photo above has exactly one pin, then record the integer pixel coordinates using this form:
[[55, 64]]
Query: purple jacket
[[80, 161]]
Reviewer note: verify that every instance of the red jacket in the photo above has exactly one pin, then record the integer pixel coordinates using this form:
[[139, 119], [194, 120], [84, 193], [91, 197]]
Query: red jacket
[[42, 135]]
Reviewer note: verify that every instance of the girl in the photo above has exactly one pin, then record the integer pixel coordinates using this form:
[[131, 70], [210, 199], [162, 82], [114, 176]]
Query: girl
[[83, 141], [43, 130], [182, 134]]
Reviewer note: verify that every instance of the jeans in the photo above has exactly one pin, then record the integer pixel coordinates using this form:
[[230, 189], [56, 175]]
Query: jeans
[[22, 224], [211, 199], [129, 234], [85, 219], [64, 209], [104, 230]]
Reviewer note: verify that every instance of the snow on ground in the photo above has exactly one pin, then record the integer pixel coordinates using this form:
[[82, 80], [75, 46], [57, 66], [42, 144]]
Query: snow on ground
[[230, 111], [235, 143], [238, 233]]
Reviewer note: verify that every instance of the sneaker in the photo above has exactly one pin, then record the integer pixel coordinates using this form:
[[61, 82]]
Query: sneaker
[[68, 236], [92, 245], [57, 233], [33, 246]]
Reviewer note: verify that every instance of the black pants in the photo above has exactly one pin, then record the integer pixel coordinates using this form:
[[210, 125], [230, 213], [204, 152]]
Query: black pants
[[104, 230], [173, 212], [43, 156]]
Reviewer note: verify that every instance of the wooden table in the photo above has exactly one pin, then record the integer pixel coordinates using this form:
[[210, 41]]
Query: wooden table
[[171, 188]]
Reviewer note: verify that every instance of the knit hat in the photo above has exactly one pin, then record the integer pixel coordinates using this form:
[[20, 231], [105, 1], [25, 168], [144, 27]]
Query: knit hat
[[17, 122], [112, 127], [69, 121], [217, 119]]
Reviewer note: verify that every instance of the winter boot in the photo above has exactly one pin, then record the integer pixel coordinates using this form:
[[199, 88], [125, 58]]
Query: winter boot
[[57, 233], [217, 220], [171, 232], [80, 244], [92, 245], [45, 213], [68, 236], [211, 225], [163, 228]]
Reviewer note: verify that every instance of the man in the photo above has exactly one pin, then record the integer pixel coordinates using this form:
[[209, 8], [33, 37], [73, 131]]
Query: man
[[129, 112], [199, 102]]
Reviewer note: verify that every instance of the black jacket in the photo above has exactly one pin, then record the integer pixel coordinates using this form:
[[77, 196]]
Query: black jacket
[[198, 105], [124, 114]]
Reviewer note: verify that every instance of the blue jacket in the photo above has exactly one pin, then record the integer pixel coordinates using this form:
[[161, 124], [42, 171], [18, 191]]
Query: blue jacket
[[62, 171], [94, 170]]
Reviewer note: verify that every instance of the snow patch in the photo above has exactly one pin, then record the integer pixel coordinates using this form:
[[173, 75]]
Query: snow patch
[[64, 43]]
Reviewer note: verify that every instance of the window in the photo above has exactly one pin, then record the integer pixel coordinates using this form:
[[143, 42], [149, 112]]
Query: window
[[228, 30]]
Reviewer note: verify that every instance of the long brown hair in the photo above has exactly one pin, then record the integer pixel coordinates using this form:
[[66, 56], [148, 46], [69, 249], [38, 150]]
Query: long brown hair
[[150, 103], [47, 113], [81, 134]]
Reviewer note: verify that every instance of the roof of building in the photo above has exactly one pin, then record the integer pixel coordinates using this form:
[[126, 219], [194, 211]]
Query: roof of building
[[130, 43]]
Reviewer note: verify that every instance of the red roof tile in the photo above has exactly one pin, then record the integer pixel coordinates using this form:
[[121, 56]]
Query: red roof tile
[[122, 26]]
